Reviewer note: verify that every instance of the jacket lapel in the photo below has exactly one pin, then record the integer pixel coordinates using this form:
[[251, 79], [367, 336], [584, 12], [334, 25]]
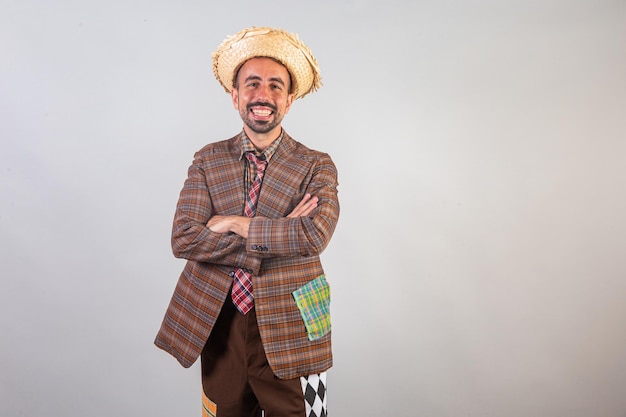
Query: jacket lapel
[[225, 179], [283, 181]]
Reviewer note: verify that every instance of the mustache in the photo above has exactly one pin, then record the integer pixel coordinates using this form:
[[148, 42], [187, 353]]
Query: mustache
[[262, 104]]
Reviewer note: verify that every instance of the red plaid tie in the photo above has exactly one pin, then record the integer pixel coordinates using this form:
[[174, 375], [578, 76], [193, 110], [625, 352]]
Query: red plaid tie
[[242, 284]]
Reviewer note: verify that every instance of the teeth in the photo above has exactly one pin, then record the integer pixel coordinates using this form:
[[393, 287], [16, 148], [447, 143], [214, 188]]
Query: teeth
[[261, 112]]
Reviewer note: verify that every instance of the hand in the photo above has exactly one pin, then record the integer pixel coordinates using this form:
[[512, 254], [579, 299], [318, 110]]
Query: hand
[[304, 207], [219, 224], [226, 224], [241, 224]]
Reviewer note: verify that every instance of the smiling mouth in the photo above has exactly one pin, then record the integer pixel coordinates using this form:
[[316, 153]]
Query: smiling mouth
[[261, 112]]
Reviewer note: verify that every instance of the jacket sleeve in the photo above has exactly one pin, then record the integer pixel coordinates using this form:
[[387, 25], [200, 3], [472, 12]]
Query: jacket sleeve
[[302, 236], [192, 240]]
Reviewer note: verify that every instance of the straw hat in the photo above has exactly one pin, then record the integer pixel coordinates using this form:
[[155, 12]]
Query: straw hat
[[282, 46]]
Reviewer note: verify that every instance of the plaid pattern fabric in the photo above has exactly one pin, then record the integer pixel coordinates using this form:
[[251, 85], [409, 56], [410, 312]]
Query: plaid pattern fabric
[[247, 146], [313, 301], [255, 188], [314, 391], [242, 291], [242, 284], [282, 253], [209, 408]]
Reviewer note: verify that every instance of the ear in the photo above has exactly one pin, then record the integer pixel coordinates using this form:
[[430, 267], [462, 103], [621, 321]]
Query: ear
[[289, 101], [234, 95]]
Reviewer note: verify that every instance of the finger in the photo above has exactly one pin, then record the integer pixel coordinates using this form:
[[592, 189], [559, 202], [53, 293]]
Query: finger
[[298, 209], [304, 208], [310, 206], [303, 202]]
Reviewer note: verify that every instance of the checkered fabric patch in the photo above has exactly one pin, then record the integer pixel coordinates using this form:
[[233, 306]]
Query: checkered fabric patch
[[314, 390], [209, 408], [313, 300]]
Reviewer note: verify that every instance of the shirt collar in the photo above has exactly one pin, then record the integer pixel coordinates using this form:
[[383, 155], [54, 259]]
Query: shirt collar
[[247, 146]]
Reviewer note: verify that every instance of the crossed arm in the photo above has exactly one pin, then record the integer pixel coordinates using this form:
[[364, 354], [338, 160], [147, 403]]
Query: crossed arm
[[241, 224], [198, 234]]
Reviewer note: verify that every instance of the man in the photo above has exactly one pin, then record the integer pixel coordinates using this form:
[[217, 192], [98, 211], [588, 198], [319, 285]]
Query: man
[[253, 217]]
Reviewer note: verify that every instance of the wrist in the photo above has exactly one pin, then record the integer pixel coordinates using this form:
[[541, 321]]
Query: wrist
[[241, 225]]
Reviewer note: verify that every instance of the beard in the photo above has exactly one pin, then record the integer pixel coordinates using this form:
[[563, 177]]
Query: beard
[[260, 126]]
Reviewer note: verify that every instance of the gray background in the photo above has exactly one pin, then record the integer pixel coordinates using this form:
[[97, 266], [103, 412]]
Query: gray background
[[478, 267]]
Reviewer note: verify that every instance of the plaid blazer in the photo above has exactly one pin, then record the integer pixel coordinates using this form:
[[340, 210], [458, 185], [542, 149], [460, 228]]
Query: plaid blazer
[[282, 253]]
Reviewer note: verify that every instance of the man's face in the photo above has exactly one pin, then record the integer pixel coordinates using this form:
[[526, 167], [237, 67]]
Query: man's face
[[262, 94]]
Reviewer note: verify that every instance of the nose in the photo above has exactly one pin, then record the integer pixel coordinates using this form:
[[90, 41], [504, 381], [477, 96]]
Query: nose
[[263, 93]]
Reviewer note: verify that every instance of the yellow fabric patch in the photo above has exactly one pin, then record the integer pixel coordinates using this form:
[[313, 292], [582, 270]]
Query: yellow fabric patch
[[209, 408], [313, 301]]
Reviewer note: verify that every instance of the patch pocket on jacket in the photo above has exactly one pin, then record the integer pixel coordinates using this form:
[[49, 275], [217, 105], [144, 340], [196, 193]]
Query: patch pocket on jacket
[[313, 301]]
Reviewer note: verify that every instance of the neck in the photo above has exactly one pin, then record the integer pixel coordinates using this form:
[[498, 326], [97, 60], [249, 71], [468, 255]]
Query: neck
[[261, 141]]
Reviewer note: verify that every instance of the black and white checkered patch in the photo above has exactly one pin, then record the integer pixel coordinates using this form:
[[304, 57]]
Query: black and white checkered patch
[[314, 390]]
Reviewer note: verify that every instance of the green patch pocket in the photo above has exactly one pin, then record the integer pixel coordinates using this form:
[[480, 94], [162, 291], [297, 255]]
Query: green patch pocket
[[313, 301]]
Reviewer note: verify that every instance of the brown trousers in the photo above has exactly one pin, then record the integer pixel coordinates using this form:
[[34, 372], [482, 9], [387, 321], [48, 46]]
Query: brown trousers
[[236, 376]]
